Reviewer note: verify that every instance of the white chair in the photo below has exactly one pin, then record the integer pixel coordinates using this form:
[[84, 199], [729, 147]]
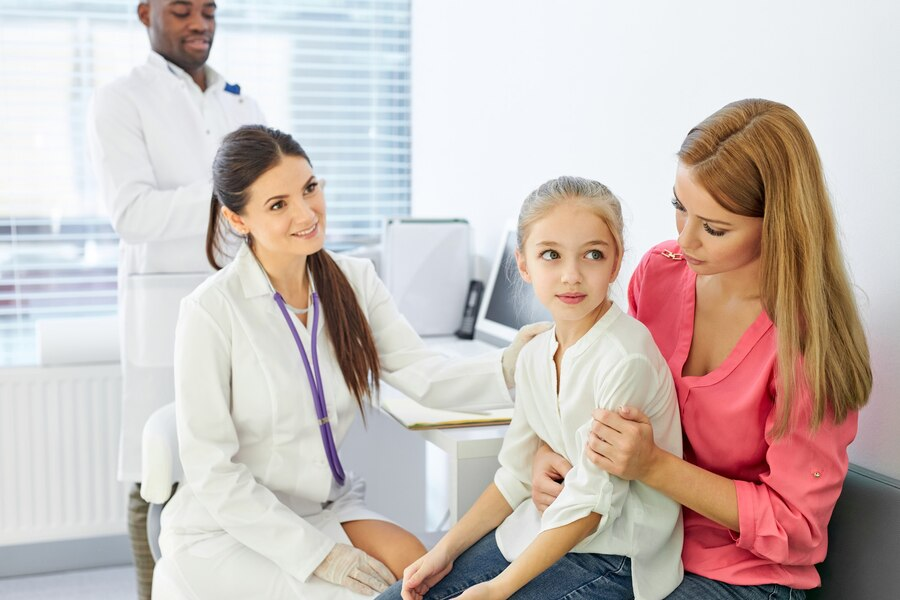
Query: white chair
[[160, 470]]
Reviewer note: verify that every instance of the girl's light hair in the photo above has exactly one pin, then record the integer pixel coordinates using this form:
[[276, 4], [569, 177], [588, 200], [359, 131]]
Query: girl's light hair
[[591, 194], [758, 159]]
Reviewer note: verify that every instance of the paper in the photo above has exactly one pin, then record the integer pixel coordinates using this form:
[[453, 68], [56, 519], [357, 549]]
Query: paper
[[413, 415]]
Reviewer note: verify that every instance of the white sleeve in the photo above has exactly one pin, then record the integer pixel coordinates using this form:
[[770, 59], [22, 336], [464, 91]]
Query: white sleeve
[[208, 442], [427, 376], [516, 457], [140, 211], [634, 382]]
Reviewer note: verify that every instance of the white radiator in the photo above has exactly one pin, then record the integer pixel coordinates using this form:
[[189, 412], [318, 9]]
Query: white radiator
[[59, 429]]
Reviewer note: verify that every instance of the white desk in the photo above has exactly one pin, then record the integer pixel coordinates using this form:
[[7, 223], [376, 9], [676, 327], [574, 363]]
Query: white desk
[[423, 479], [472, 462]]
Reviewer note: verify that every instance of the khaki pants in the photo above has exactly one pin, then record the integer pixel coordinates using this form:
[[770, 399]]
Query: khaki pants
[[140, 549]]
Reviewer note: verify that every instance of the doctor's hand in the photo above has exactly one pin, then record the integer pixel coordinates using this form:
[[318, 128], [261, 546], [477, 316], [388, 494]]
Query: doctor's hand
[[421, 576], [355, 570], [511, 354], [548, 469]]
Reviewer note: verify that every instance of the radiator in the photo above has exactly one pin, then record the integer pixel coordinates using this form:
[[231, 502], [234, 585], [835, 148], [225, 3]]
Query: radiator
[[59, 429]]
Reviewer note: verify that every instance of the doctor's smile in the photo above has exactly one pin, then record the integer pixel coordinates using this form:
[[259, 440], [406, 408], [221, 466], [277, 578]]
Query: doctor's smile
[[308, 233]]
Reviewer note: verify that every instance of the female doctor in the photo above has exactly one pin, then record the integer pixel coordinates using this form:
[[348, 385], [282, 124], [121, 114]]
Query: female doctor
[[274, 356]]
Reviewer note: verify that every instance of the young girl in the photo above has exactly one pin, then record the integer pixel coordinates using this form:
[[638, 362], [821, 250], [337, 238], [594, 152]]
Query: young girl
[[601, 528]]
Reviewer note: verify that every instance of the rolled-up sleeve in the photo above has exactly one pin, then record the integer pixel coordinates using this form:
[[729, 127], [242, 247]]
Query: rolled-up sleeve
[[784, 516], [208, 442], [634, 382], [520, 442]]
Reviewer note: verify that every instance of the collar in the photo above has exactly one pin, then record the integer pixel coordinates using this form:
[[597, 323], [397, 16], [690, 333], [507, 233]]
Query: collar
[[254, 280], [591, 337], [214, 80]]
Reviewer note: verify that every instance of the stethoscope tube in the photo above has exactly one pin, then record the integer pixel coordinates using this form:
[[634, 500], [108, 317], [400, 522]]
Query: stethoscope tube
[[315, 384]]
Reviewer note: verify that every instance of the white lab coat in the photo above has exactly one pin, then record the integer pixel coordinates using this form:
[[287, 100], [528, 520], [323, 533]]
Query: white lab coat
[[153, 135], [259, 503], [615, 363]]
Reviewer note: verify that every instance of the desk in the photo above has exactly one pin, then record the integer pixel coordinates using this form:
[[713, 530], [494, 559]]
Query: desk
[[472, 462], [425, 479]]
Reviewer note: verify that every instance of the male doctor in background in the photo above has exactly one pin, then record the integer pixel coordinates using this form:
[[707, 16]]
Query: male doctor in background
[[153, 136]]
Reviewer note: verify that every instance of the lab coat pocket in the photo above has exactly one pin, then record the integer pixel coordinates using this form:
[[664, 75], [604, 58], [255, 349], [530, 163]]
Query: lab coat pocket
[[150, 305]]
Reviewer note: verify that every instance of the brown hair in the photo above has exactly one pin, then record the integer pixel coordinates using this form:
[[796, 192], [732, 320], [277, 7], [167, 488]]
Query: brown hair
[[243, 157], [758, 159]]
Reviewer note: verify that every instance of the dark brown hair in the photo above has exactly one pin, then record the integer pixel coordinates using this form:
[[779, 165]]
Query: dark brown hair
[[243, 157]]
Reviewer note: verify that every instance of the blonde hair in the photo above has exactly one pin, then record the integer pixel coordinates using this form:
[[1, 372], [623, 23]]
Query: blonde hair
[[591, 194], [758, 159]]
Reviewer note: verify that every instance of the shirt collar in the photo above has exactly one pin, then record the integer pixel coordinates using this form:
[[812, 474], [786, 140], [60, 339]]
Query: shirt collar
[[214, 80], [592, 335], [254, 280]]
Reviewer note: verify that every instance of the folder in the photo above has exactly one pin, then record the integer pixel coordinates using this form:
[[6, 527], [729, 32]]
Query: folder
[[413, 415]]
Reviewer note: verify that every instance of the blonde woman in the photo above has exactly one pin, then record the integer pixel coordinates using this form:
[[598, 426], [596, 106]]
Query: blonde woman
[[753, 310]]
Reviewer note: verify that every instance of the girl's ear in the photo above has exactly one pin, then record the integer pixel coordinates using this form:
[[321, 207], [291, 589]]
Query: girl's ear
[[615, 273], [235, 221], [523, 268]]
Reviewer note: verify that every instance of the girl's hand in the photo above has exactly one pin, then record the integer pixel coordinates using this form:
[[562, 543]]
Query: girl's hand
[[548, 470], [421, 576], [621, 443], [482, 591]]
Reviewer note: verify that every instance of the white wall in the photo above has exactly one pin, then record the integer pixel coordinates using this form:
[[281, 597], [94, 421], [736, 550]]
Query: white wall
[[509, 93]]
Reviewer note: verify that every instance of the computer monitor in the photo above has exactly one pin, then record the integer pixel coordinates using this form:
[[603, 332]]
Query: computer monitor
[[509, 303]]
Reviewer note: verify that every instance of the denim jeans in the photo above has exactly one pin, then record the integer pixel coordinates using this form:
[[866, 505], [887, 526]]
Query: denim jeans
[[587, 576], [574, 576], [695, 586]]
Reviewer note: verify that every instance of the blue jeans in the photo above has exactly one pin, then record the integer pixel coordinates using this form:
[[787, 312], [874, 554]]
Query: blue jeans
[[574, 576], [587, 576], [695, 586]]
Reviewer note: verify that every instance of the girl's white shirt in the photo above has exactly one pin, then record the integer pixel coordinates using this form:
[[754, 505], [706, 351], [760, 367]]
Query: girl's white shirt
[[255, 466], [615, 363]]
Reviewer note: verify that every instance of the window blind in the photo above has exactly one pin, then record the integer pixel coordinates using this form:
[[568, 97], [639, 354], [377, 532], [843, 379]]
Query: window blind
[[333, 73]]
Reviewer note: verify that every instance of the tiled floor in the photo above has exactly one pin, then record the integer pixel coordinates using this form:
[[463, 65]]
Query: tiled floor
[[114, 583]]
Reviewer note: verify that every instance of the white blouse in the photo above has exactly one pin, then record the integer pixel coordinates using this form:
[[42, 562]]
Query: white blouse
[[615, 363], [254, 463]]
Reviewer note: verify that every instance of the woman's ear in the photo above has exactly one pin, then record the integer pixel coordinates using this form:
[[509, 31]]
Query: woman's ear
[[523, 268], [235, 221]]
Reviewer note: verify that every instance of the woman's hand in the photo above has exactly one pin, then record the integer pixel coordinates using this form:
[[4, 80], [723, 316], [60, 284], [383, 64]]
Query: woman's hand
[[421, 576], [548, 469], [355, 570], [621, 443], [482, 591]]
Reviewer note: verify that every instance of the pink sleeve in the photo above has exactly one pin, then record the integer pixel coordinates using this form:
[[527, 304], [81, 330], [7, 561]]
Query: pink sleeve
[[784, 518]]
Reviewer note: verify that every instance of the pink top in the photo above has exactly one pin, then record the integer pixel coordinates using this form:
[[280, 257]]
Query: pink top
[[786, 488]]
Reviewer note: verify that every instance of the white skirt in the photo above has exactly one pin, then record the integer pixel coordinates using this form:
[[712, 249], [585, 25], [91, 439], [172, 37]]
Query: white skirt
[[221, 567]]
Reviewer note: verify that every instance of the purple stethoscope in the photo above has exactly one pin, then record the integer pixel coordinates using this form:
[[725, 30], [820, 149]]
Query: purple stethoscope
[[315, 383]]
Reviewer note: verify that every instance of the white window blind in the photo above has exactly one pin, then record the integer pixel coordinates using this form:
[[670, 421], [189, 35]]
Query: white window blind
[[333, 73]]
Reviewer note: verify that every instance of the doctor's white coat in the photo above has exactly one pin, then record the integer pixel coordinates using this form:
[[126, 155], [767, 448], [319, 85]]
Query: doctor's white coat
[[258, 484], [153, 135]]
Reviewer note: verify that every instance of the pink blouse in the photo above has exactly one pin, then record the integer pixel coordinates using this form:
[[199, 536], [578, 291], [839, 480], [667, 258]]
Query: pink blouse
[[786, 488]]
